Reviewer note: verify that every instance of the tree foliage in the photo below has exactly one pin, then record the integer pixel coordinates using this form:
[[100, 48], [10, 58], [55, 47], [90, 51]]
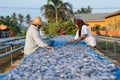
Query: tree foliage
[[15, 21], [84, 10], [56, 10], [54, 28]]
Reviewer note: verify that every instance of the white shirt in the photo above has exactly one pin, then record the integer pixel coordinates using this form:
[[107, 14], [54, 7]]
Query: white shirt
[[90, 40], [33, 40]]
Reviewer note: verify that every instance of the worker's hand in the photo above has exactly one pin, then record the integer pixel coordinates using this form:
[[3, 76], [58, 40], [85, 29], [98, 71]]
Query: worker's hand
[[77, 41], [48, 47], [67, 43], [72, 40]]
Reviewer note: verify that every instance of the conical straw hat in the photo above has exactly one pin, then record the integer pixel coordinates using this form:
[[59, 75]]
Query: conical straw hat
[[37, 21], [3, 27]]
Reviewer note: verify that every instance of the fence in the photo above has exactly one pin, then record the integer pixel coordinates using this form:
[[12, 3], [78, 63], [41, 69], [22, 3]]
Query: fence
[[11, 53], [109, 46], [10, 49]]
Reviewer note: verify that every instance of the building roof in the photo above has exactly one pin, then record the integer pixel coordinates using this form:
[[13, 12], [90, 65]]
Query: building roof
[[91, 17], [113, 14]]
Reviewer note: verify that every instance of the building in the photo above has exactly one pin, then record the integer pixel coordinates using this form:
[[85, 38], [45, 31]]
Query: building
[[112, 22], [95, 20]]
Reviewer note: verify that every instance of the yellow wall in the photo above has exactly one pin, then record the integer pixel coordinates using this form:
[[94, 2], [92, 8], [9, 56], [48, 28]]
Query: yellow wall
[[113, 25], [113, 22], [94, 23]]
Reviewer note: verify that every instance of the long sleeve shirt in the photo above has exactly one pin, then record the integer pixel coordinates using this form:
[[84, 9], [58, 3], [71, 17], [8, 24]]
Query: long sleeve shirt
[[33, 40]]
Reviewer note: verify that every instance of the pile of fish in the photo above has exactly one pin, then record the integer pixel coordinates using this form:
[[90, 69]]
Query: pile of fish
[[64, 62], [63, 38]]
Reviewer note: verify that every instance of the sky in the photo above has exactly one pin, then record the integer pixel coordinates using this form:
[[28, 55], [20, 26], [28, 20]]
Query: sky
[[32, 7]]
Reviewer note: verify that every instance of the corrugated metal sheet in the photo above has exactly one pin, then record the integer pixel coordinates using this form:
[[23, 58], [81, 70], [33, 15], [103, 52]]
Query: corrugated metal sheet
[[113, 14], [91, 17]]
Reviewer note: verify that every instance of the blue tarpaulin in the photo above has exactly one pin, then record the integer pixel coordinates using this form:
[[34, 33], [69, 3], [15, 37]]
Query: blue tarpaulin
[[117, 71], [59, 43]]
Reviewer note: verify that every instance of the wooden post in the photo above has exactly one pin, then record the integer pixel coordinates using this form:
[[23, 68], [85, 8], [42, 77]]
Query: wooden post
[[11, 55]]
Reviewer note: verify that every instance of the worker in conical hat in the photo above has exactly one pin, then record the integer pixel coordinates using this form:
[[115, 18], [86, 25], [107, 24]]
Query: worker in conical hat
[[33, 37], [4, 30], [3, 27]]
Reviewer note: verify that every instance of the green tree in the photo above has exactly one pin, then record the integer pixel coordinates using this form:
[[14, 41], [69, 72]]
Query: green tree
[[14, 23], [14, 19], [7, 20], [21, 19], [54, 28], [2, 18], [84, 10], [28, 19], [56, 10]]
